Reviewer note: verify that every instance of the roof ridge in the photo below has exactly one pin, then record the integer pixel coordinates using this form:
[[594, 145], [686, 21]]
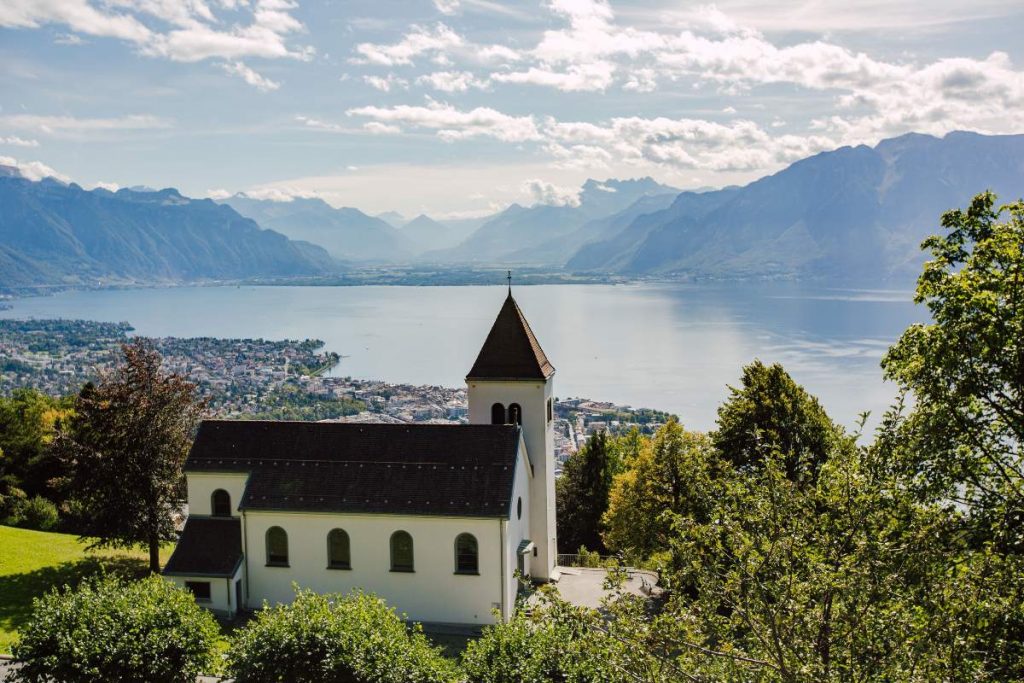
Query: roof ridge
[[511, 349]]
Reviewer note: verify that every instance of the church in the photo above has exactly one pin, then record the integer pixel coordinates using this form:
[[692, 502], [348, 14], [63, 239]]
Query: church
[[436, 519]]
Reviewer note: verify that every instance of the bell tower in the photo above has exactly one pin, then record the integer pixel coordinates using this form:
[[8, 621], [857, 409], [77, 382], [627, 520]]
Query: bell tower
[[512, 382]]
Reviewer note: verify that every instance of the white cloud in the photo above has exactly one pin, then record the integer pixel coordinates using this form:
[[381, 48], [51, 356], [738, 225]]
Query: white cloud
[[196, 33], [33, 170], [68, 39], [454, 124], [378, 128], [256, 80], [451, 81], [110, 187], [386, 83], [16, 141], [419, 41], [543, 192], [447, 6], [72, 126], [596, 75], [218, 194], [279, 193]]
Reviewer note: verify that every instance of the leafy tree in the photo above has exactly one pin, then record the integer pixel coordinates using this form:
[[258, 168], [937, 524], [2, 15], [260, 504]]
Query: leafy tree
[[581, 494], [33, 513], [142, 632], [965, 369], [125, 447], [355, 638], [772, 413], [28, 422], [675, 474]]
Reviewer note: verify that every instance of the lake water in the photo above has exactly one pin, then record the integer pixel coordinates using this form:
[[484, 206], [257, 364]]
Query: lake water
[[672, 347]]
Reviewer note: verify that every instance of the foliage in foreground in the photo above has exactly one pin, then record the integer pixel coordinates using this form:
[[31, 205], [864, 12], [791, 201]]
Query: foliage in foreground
[[556, 641], [354, 638], [142, 632]]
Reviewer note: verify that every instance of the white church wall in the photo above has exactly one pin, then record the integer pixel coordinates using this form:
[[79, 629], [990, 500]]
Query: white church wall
[[517, 530], [201, 486], [220, 590], [432, 592], [532, 397]]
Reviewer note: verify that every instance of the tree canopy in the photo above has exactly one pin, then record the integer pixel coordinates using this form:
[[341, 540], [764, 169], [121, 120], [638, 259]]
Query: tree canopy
[[124, 449]]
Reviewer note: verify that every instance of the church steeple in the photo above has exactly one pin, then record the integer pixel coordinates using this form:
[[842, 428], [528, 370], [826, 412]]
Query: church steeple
[[511, 351]]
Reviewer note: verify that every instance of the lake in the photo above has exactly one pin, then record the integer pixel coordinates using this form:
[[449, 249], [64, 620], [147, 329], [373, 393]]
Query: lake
[[672, 347]]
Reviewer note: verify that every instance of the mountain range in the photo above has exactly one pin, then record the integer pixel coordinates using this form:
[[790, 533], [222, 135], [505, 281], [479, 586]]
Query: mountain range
[[52, 233], [852, 215]]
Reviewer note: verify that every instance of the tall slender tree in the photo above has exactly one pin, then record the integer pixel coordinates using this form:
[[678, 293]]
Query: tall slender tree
[[125, 447], [581, 494]]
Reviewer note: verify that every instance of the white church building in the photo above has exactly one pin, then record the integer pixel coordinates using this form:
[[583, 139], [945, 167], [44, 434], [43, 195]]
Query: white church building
[[436, 519]]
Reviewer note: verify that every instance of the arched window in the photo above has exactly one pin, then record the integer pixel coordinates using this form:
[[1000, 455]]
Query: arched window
[[220, 503], [515, 414], [401, 552], [466, 555], [519, 508], [277, 547], [497, 414], [338, 556]]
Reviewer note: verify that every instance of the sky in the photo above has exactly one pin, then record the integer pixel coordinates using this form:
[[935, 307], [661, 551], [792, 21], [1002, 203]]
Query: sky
[[461, 107]]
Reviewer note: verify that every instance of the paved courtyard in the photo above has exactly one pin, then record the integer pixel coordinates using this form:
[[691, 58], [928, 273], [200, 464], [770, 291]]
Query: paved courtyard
[[585, 587]]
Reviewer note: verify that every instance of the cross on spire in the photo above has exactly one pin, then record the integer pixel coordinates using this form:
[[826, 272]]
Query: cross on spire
[[509, 282]]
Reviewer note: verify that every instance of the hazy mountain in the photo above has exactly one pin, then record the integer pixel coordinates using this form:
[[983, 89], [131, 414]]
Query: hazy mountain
[[52, 233], [346, 233], [424, 233], [524, 234], [853, 214], [393, 218]]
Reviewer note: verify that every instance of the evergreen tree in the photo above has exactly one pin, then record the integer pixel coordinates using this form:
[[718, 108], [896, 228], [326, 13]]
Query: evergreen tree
[[125, 448], [581, 494]]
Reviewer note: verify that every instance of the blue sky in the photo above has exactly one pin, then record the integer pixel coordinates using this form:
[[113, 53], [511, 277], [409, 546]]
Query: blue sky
[[459, 107]]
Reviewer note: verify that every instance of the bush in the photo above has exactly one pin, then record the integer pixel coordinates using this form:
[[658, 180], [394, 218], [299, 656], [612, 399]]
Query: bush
[[352, 638], [34, 513], [556, 641], [142, 632]]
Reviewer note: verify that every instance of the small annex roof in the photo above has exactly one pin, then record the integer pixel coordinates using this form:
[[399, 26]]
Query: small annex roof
[[511, 351], [414, 469], [209, 546]]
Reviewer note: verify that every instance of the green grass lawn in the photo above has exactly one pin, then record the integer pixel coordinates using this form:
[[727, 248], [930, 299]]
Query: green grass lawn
[[33, 562]]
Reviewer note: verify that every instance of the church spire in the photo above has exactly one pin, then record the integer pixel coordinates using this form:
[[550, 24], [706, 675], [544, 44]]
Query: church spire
[[511, 351]]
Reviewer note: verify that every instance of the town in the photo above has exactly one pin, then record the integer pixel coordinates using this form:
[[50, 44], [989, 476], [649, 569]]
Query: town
[[265, 379]]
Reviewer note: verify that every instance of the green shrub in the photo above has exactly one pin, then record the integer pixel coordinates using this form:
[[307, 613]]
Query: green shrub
[[554, 641], [354, 638], [34, 513], [141, 632]]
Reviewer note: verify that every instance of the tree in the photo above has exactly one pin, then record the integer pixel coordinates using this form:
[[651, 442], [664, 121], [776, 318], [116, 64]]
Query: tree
[[125, 447], [354, 638], [771, 412], [675, 474], [28, 423], [965, 369], [581, 494], [141, 632]]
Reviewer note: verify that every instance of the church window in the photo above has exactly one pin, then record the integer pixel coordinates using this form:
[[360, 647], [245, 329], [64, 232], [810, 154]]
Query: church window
[[401, 552], [200, 590], [220, 502], [497, 414], [338, 556], [519, 508], [551, 409], [466, 555], [277, 547], [515, 414]]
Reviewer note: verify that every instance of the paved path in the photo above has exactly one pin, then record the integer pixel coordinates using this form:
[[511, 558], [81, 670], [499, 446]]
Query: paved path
[[585, 587]]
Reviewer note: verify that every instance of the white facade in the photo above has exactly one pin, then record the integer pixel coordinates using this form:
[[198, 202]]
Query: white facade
[[535, 399]]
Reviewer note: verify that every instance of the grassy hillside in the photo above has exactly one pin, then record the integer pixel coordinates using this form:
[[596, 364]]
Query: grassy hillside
[[33, 562]]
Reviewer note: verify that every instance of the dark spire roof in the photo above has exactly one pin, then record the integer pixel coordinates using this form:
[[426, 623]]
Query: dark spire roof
[[511, 351]]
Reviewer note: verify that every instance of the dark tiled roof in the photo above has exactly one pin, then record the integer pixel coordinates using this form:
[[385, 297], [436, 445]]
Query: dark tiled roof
[[463, 470], [511, 351], [209, 546]]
